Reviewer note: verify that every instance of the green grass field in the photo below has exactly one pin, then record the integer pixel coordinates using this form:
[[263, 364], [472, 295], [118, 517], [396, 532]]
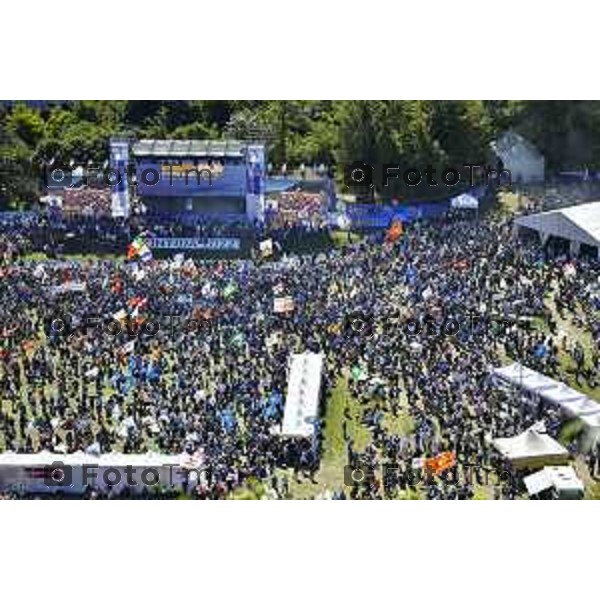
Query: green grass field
[[341, 403]]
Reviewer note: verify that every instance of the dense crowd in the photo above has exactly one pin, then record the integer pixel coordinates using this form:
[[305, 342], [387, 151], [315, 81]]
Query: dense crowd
[[300, 207], [62, 234], [87, 201], [437, 311]]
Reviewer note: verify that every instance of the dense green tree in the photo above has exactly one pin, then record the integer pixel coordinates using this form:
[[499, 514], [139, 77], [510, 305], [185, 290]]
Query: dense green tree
[[18, 176], [26, 124], [403, 132], [566, 132], [463, 130]]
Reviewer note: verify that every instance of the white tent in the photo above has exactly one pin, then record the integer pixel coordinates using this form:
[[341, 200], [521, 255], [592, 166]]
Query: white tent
[[571, 401], [591, 421], [538, 384], [581, 406], [530, 449], [562, 395], [579, 224], [524, 378], [514, 373], [302, 400], [563, 479], [464, 201]]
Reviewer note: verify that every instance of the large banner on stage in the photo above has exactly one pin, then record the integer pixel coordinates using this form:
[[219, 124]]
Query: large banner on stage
[[119, 157], [190, 244], [255, 185]]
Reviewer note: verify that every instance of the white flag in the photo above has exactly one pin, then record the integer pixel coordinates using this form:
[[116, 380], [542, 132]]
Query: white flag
[[266, 247], [283, 305]]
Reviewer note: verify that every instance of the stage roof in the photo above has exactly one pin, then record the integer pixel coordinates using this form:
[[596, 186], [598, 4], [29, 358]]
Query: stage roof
[[579, 223], [186, 148]]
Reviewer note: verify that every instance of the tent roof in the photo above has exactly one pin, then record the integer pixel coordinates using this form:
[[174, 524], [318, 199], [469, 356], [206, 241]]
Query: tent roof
[[529, 444], [464, 201], [579, 223], [561, 394], [111, 459], [591, 420], [517, 374], [582, 406], [556, 392]]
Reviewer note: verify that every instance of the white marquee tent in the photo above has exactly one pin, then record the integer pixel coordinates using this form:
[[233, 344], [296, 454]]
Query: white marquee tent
[[31, 472], [464, 201], [578, 224], [302, 400], [530, 449], [525, 378], [573, 403]]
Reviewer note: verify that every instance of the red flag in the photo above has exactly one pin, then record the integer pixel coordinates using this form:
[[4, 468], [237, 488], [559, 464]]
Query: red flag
[[117, 285], [137, 302]]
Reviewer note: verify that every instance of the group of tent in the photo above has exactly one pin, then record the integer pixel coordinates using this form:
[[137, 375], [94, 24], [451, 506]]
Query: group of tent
[[534, 448], [573, 403]]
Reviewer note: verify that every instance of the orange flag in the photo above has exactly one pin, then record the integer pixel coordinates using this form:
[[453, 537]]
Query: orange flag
[[440, 463], [394, 232]]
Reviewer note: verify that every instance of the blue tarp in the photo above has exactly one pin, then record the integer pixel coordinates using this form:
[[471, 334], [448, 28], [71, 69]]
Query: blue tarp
[[377, 216], [369, 215]]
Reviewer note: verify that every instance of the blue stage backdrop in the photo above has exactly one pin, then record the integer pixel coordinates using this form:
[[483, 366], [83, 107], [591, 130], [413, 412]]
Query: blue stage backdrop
[[187, 178]]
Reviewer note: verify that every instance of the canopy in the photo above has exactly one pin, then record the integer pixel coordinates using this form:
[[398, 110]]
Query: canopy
[[303, 394], [581, 406], [561, 394], [591, 421], [76, 459], [571, 401], [580, 223], [530, 449], [464, 201], [524, 377]]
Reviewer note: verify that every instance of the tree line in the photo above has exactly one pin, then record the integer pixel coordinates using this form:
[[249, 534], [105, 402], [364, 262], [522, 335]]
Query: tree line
[[406, 132]]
